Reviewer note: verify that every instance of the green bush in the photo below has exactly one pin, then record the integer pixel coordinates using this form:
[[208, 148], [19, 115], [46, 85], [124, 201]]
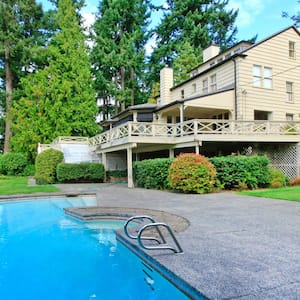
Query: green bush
[[82, 172], [192, 173], [234, 170], [117, 173], [29, 170], [152, 173], [45, 166], [277, 178], [12, 163]]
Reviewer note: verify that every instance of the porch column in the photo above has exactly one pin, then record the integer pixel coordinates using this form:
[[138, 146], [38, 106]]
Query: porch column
[[129, 167], [171, 153], [197, 150], [181, 113], [104, 162]]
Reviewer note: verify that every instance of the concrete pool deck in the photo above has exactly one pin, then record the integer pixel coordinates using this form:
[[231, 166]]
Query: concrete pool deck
[[236, 247]]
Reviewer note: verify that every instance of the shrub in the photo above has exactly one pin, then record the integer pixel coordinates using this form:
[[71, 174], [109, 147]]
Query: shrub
[[117, 173], [29, 170], [296, 181], [152, 173], [45, 166], [277, 178], [12, 163], [82, 172], [234, 170], [192, 173]]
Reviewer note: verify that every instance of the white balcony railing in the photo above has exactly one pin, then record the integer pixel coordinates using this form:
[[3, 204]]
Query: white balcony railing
[[196, 127]]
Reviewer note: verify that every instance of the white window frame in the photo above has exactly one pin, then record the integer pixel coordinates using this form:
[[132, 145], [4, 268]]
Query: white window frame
[[292, 49], [194, 88], [289, 86], [213, 82], [205, 86], [262, 77]]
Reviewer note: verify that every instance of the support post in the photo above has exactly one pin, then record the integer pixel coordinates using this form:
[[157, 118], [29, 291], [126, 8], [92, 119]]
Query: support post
[[129, 167], [171, 153], [104, 162]]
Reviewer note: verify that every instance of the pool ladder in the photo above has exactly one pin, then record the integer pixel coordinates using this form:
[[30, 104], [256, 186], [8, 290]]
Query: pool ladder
[[161, 243]]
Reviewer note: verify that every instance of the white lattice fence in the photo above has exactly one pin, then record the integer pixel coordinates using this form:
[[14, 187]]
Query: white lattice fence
[[286, 158]]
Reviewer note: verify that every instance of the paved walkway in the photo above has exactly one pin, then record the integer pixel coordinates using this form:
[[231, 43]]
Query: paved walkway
[[236, 247]]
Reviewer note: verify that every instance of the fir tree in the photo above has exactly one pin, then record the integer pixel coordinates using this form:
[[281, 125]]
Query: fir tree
[[58, 100], [198, 22], [119, 54], [22, 31]]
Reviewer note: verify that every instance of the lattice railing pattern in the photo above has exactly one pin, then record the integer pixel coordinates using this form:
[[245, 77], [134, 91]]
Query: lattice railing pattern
[[197, 127]]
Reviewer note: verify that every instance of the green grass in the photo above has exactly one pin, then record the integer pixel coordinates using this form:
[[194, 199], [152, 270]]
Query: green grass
[[288, 193], [11, 185]]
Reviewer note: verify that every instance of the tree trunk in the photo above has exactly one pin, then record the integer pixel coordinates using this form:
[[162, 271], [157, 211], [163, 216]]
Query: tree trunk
[[9, 91], [123, 104], [132, 86]]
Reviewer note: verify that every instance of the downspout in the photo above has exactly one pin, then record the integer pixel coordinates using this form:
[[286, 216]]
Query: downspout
[[235, 89]]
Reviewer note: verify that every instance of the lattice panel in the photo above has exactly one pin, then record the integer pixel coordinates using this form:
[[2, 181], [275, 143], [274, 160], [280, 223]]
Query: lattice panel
[[286, 158]]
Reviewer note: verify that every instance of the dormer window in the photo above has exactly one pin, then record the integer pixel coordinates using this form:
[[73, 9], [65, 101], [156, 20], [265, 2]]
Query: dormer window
[[205, 86], [292, 51]]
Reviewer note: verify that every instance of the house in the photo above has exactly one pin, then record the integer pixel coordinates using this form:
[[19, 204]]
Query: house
[[245, 99]]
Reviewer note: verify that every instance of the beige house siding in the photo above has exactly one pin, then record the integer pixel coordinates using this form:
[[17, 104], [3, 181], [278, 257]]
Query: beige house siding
[[273, 53], [224, 78]]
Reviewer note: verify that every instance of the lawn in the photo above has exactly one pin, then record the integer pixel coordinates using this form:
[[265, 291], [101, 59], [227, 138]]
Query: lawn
[[289, 193], [10, 185]]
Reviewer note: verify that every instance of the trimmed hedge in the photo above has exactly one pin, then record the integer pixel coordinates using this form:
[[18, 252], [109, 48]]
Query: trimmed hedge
[[45, 166], [12, 163], [152, 173], [192, 173], [82, 172], [232, 171]]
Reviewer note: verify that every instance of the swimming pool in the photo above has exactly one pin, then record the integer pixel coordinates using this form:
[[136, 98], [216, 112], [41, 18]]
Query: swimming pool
[[45, 254]]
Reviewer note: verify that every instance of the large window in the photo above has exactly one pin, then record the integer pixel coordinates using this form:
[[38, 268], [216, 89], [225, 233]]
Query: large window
[[292, 50], [289, 91], [205, 86], [262, 77], [213, 83]]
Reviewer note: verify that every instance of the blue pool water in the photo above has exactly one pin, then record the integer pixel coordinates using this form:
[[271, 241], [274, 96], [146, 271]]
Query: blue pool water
[[45, 254]]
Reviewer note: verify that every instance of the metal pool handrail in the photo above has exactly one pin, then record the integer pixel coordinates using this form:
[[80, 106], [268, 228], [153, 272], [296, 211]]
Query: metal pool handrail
[[135, 237], [163, 245]]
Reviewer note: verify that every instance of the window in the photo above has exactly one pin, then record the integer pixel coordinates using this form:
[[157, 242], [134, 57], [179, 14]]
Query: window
[[267, 78], [290, 91], [194, 88], [256, 76], [289, 117], [213, 83], [262, 77], [205, 86], [292, 51], [182, 94]]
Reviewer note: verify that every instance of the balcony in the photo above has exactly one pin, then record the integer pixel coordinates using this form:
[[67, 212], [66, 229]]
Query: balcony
[[200, 130]]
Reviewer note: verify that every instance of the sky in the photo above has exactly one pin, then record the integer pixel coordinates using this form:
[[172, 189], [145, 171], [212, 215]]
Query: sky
[[256, 17]]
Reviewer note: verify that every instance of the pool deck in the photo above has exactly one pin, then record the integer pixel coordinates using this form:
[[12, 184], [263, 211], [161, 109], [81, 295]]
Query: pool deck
[[236, 247]]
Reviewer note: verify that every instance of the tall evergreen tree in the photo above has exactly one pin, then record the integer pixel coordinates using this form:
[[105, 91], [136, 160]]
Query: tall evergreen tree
[[185, 60], [21, 24], [198, 22], [118, 55], [58, 100]]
